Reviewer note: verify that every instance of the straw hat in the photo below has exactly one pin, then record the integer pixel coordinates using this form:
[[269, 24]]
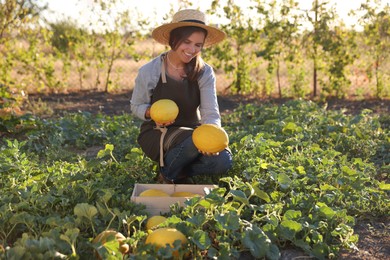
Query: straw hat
[[188, 17]]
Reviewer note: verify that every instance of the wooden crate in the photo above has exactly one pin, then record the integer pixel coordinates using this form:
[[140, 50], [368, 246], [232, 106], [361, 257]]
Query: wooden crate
[[159, 205]]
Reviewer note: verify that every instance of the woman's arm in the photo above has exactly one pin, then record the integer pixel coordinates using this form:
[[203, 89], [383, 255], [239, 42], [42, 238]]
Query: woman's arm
[[209, 109], [145, 82]]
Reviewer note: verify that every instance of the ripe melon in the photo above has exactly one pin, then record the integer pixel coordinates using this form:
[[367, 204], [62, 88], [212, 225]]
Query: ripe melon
[[210, 138], [164, 111], [153, 193], [101, 239], [162, 236], [183, 194], [154, 221]]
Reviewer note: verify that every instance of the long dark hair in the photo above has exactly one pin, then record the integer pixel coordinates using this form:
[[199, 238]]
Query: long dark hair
[[194, 68]]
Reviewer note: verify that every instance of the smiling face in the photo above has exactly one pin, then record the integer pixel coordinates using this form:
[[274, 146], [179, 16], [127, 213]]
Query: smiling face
[[187, 43]]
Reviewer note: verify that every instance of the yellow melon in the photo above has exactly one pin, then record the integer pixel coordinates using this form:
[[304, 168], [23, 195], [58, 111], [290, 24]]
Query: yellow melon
[[210, 138], [162, 236], [154, 221], [184, 194], [164, 111], [101, 239], [153, 193]]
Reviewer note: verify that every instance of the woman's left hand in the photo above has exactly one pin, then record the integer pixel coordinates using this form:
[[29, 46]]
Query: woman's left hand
[[164, 124]]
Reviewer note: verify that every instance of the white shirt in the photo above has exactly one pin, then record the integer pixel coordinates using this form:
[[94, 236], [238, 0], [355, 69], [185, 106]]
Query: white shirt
[[147, 79]]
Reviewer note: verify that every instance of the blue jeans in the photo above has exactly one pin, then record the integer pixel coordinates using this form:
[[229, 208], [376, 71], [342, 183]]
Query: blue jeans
[[184, 160]]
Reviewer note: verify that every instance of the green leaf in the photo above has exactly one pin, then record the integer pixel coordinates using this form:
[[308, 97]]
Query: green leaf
[[112, 247], [201, 239], [284, 181], [197, 220], [71, 235], [85, 210], [327, 212], [17, 252], [214, 198], [301, 170], [206, 204], [240, 196], [291, 128], [256, 241], [273, 252], [273, 220], [292, 214], [326, 187], [302, 244], [289, 228], [264, 166], [384, 186], [23, 218], [320, 250], [276, 195], [317, 237], [212, 253], [107, 151], [349, 171], [109, 147], [192, 202], [174, 220], [228, 221], [107, 195], [261, 194]]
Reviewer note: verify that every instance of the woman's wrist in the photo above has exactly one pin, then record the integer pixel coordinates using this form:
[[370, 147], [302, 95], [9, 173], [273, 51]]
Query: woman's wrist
[[147, 113]]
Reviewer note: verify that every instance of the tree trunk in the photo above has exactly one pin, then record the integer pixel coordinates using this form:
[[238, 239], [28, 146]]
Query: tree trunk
[[315, 77], [315, 50], [278, 78]]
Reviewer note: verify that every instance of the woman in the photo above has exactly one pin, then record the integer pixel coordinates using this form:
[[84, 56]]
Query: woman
[[182, 76]]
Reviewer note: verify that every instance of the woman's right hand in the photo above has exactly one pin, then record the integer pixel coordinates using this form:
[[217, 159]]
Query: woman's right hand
[[208, 154]]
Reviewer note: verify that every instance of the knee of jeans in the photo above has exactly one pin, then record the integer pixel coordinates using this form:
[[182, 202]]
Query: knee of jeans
[[190, 147], [225, 163]]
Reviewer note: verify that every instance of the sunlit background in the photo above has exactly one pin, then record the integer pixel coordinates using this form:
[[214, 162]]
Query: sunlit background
[[271, 45], [155, 11]]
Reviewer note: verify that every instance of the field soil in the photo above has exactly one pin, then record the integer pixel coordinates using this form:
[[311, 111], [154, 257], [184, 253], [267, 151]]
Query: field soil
[[119, 103], [374, 233]]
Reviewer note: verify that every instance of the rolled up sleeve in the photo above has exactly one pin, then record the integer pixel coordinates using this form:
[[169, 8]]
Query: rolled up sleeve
[[140, 99], [145, 82], [209, 109]]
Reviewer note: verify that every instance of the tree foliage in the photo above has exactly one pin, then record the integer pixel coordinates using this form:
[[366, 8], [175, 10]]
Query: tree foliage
[[376, 23], [17, 13], [280, 33], [232, 55], [269, 47]]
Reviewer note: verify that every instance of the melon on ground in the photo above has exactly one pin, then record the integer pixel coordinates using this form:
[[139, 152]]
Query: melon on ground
[[102, 238], [162, 236], [154, 221]]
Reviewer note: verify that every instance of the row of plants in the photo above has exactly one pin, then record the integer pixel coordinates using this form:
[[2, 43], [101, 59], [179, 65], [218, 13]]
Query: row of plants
[[302, 177], [268, 52]]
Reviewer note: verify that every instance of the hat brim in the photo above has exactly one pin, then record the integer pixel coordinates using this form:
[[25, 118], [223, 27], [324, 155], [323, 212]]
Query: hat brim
[[214, 35]]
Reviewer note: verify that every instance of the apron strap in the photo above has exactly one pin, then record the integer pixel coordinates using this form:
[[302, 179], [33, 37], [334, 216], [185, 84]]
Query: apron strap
[[163, 75], [163, 133], [162, 129]]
